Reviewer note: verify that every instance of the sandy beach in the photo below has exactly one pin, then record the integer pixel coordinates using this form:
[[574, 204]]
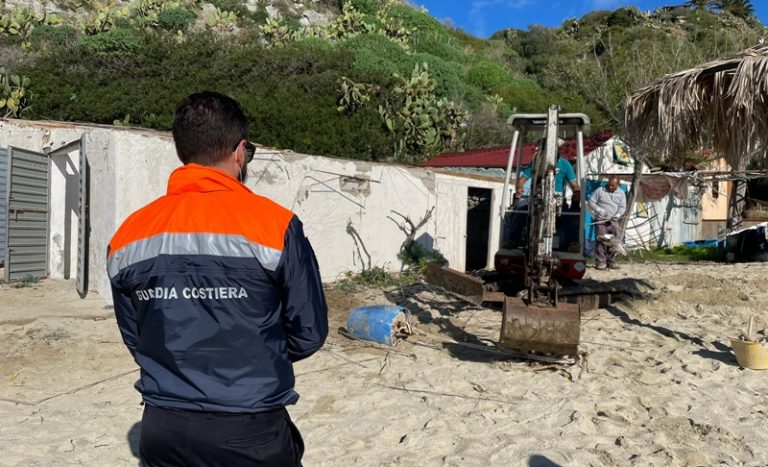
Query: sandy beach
[[658, 385]]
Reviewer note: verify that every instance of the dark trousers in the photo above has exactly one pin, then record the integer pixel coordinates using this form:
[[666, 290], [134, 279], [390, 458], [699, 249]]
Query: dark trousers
[[203, 439], [603, 253]]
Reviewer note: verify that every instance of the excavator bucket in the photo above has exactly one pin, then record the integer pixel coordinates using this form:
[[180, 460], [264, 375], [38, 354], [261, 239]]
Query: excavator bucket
[[541, 328]]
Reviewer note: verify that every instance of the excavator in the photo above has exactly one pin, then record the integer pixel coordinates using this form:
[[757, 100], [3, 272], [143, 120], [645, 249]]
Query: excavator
[[540, 259]]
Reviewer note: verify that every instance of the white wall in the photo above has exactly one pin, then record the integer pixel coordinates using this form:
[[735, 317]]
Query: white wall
[[352, 211], [351, 230]]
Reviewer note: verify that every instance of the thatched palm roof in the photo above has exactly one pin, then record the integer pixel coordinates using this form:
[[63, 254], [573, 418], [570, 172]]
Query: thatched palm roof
[[723, 103]]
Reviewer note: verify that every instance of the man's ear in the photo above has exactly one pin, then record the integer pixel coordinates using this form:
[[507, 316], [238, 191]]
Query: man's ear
[[239, 153]]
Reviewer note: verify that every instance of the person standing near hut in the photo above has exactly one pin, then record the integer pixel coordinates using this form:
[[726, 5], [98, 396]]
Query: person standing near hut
[[608, 204]]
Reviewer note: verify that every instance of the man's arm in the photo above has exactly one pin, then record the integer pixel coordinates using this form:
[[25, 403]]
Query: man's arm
[[570, 176], [304, 311], [522, 176], [520, 184], [127, 321], [576, 197]]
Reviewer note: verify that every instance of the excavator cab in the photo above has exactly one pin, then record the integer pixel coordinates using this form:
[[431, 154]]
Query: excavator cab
[[542, 238], [568, 238]]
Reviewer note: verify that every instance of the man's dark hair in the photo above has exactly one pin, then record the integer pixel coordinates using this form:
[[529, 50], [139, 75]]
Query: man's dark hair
[[207, 127]]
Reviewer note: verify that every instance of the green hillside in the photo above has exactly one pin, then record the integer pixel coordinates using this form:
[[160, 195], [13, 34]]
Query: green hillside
[[360, 79]]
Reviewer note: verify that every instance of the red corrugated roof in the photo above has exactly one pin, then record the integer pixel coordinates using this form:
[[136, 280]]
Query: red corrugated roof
[[497, 157]]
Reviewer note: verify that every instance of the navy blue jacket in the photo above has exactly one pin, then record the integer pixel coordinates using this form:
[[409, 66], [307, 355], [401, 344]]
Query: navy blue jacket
[[216, 292]]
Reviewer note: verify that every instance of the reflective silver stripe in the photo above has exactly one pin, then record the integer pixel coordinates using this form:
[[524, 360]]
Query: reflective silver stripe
[[235, 246]]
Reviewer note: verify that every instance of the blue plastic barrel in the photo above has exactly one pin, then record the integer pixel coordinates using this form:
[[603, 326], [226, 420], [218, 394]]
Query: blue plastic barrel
[[376, 323]]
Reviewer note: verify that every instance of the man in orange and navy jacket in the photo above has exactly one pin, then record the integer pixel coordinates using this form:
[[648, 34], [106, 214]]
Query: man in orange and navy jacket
[[217, 292]]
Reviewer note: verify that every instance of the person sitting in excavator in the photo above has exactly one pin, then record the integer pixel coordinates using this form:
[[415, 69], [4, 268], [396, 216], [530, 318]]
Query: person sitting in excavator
[[563, 173], [567, 226]]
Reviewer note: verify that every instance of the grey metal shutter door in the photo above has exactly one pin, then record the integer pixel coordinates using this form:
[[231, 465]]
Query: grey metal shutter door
[[27, 231], [3, 201]]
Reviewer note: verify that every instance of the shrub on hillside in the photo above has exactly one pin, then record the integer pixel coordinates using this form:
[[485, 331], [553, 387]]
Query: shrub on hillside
[[488, 75], [468, 41], [446, 74], [291, 98], [288, 93], [525, 95], [176, 19], [415, 19], [236, 6], [429, 35], [487, 128], [375, 57], [674, 15], [368, 7], [291, 91], [538, 45], [439, 45], [46, 36], [115, 42], [625, 17]]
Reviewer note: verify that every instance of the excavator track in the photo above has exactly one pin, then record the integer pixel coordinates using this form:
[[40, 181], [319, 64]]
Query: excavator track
[[589, 294]]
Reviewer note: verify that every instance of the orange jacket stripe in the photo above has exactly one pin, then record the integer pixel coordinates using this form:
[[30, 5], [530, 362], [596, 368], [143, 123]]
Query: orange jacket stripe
[[235, 210]]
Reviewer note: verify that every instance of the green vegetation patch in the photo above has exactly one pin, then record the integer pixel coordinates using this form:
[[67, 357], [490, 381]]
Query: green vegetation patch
[[679, 254]]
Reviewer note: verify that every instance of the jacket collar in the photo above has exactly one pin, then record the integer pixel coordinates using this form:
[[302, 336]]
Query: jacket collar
[[194, 178]]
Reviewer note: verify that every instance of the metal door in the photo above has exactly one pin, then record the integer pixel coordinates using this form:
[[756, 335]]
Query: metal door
[[83, 224], [3, 201], [27, 229], [451, 223]]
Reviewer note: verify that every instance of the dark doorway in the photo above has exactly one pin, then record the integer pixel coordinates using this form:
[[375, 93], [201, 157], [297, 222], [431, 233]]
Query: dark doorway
[[478, 227]]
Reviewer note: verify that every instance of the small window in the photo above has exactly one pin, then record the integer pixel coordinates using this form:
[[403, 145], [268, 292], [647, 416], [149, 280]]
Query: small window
[[355, 185]]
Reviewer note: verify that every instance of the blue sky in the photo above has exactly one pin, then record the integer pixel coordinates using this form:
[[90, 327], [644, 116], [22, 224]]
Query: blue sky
[[481, 18]]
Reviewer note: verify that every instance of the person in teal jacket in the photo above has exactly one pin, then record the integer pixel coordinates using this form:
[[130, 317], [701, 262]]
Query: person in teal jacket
[[563, 173]]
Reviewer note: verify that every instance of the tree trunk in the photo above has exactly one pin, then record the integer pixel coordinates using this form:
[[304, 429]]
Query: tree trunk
[[737, 199], [634, 190]]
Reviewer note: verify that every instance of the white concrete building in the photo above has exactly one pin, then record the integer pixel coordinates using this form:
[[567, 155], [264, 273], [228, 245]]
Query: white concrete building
[[353, 212]]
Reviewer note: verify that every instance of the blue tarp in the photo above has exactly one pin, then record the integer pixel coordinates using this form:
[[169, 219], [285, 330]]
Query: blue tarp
[[711, 242]]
